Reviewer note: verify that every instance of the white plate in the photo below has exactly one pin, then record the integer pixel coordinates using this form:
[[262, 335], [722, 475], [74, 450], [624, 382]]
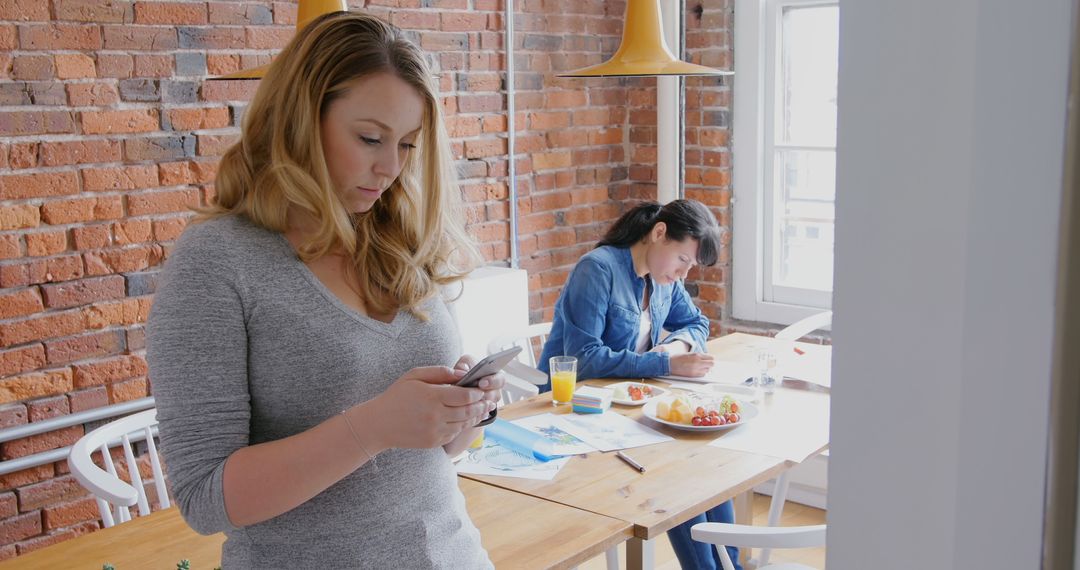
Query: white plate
[[656, 393], [747, 412]]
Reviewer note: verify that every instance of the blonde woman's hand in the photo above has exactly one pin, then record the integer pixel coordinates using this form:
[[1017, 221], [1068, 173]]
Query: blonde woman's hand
[[691, 365], [424, 409], [491, 385]]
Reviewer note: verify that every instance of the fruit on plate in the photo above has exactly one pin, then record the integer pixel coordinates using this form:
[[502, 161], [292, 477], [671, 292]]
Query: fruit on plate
[[634, 392], [697, 412]]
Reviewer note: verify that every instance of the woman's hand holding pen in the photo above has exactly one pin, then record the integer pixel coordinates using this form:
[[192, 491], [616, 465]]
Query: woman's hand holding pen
[[691, 365], [424, 409]]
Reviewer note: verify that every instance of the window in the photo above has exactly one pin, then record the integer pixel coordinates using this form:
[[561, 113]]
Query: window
[[784, 157]]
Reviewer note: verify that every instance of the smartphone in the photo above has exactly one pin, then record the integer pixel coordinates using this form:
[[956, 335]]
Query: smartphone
[[488, 366]]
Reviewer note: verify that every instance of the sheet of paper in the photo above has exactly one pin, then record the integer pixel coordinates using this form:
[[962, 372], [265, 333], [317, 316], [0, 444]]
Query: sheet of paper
[[562, 443], [494, 459], [779, 435], [609, 431], [722, 372], [814, 365]]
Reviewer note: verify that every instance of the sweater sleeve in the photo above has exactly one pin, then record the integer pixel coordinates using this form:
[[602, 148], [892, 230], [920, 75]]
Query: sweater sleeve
[[587, 296], [197, 353]]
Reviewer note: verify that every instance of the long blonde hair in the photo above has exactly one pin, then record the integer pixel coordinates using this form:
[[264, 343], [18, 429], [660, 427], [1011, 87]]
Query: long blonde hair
[[413, 240]]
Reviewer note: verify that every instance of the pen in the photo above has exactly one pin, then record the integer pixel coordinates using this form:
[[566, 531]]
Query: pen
[[630, 462]]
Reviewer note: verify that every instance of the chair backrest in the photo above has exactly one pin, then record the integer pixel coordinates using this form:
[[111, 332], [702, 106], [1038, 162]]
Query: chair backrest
[[799, 329], [531, 339], [113, 494], [726, 534]]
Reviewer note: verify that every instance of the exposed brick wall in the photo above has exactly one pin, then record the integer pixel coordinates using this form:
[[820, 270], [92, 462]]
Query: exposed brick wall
[[109, 132]]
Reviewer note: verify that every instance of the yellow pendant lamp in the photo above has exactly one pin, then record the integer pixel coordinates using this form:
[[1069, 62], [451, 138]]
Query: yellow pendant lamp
[[643, 51], [306, 11]]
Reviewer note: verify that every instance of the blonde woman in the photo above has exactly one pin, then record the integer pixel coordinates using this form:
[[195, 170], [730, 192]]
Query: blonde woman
[[301, 352]]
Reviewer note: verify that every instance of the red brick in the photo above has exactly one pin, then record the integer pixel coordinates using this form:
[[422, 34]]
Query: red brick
[[24, 10], [140, 38], [83, 400], [47, 408], [550, 160], [169, 229], [117, 313], [32, 67], [35, 385], [75, 66], [109, 370], [84, 346], [484, 148], [170, 13], [132, 231], [91, 237], [38, 185], [10, 247], [215, 145], [46, 242], [9, 506], [40, 327], [82, 210], [262, 37], [187, 172], [12, 415], [79, 152], [19, 360], [464, 21], [120, 178], [19, 216], [115, 65], [132, 121], [125, 260], [19, 123], [68, 514], [153, 65], [96, 11], [20, 527], [23, 155], [83, 291], [159, 202], [128, 390], [27, 476], [190, 119], [59, 490], [59, 36], [227, 91], [91, 94]]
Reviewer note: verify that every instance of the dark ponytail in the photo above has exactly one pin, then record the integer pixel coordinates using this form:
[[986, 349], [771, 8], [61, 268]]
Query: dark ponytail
[[685, 219]]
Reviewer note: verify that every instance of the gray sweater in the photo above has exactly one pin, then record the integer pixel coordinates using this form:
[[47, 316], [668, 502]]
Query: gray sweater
[[245, 346]]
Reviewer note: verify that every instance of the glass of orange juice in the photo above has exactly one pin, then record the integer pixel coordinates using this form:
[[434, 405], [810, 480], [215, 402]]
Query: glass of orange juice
[[563, 377]]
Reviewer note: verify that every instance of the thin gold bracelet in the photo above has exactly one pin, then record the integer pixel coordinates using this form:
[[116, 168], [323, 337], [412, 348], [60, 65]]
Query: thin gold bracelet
[[356, 438]]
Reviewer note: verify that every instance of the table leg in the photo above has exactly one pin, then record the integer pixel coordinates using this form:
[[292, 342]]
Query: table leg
[[744, 514], [640, 554]]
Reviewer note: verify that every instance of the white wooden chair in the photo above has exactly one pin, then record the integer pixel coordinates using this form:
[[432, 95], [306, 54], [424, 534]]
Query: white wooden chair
[[112, 493], [799, 329], [791, 333], [724, 534], [522, 377]]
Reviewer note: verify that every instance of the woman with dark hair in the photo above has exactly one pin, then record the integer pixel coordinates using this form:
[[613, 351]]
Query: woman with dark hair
[[622, 295]]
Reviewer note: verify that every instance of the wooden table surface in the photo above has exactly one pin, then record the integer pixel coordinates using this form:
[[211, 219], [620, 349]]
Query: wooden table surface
[[517, 530], [683, 478]]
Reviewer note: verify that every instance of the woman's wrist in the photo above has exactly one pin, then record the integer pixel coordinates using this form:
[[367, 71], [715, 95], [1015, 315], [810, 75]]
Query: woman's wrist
[[363, 424]]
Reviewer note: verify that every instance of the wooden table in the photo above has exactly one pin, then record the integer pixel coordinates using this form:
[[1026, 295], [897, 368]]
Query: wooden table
[[684, 477], [517, 530]]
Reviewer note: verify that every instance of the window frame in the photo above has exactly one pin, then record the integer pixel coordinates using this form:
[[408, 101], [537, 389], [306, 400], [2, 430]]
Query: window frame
[[757, 50]]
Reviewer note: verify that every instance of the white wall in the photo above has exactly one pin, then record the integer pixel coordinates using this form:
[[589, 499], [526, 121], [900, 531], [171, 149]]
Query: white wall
[[950, 149]]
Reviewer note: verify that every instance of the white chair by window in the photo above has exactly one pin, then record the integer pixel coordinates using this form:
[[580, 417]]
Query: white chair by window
[[522, 377], [723, 534], [792, 333], [113, 494]]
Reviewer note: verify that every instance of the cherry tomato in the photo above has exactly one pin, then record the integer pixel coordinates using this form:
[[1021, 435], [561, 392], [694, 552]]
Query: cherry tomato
[[717, 421], [734, 407], [695, 421], [699, 412]]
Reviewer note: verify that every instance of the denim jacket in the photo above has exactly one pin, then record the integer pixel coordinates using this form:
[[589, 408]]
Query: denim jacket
[[598, 316]]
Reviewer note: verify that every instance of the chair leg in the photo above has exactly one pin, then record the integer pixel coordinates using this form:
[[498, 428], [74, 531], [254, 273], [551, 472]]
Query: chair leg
[[612, 556], [725, 560], [776, 508]]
